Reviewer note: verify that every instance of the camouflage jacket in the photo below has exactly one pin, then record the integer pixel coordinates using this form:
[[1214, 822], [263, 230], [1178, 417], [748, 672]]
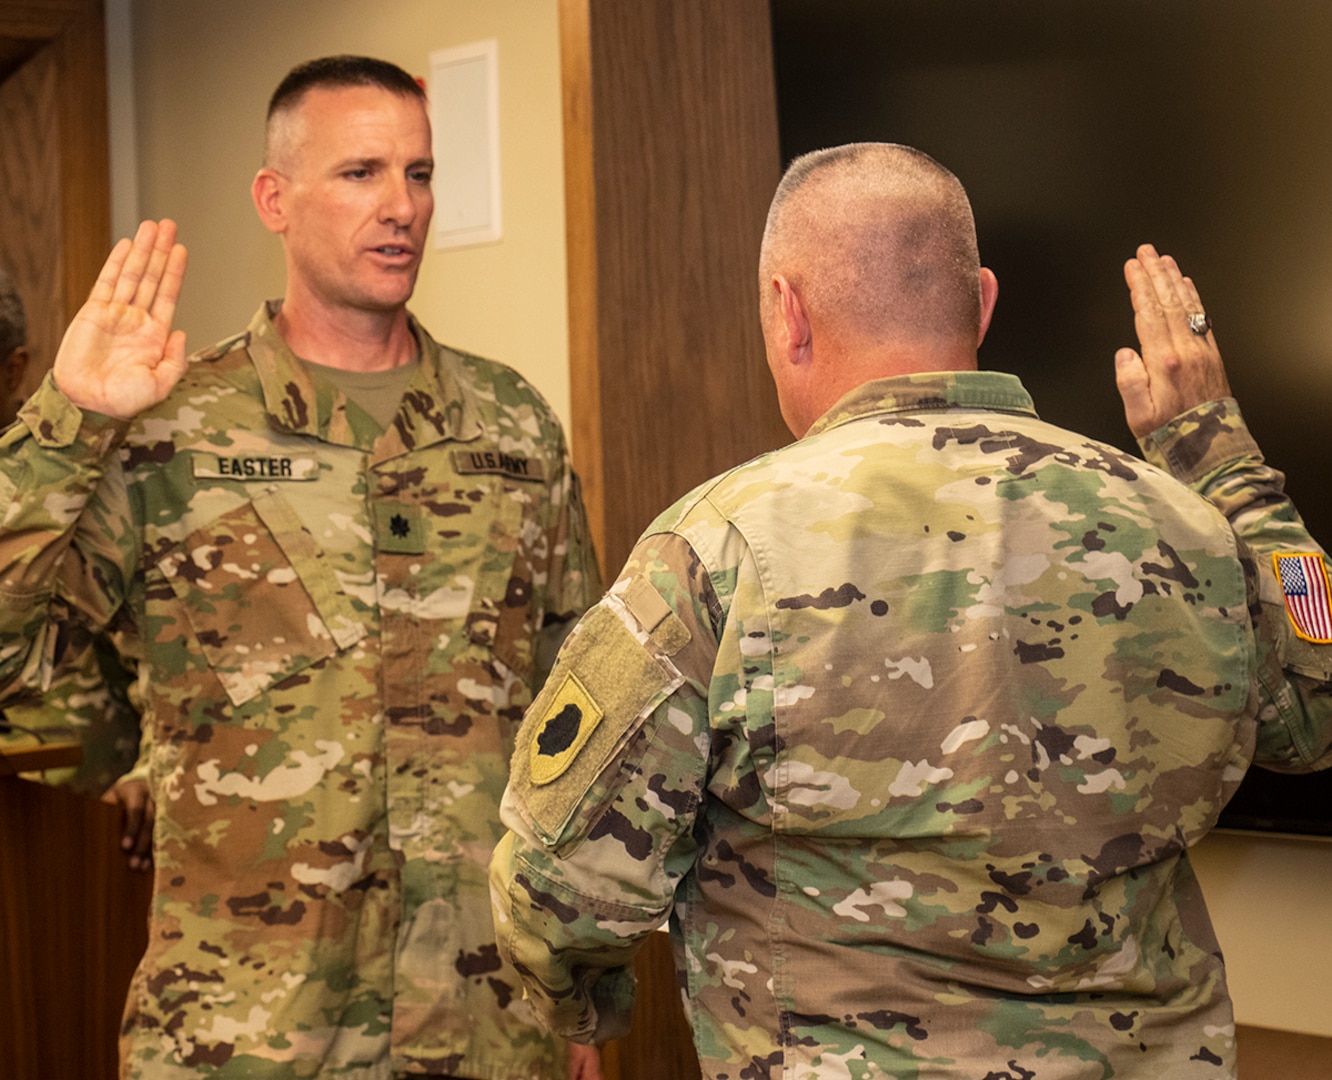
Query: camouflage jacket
[[87, 700], [907, 727], [341, 629]]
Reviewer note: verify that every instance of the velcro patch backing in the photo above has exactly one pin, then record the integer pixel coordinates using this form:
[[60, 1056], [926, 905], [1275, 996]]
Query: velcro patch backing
[[655, 615], [603, 668]]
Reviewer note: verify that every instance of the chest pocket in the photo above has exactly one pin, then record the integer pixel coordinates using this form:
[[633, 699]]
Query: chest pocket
[[502, 615], [261, 600]]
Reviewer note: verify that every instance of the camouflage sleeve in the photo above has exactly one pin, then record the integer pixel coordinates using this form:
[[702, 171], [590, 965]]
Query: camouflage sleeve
[[88, 701], [1211, 449], [67, 542], [607, 776]]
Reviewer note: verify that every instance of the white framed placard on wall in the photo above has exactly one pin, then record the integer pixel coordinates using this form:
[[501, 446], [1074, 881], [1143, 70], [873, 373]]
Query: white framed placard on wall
[[464, 113]]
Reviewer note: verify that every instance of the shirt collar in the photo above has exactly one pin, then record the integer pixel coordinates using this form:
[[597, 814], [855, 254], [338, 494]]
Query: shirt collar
[[436, 406], [993, 391]]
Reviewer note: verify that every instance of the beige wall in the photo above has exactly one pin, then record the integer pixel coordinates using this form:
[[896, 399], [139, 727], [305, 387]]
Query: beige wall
[[1271, 901], [203, 72]]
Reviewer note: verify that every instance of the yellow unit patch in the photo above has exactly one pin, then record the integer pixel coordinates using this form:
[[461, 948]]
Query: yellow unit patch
[[563, 731]]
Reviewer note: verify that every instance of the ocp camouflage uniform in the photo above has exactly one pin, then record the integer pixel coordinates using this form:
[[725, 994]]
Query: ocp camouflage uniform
[[908, 726], [86, 700], [1211, 449], [341, 629]]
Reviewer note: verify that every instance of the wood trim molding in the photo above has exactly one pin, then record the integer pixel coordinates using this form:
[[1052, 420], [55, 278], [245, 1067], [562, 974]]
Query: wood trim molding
[[671, 158], [71, 36], [85, 162], [581, 255]]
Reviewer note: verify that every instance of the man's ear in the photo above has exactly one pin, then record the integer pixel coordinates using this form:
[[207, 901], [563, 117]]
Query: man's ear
[[799, 335], [989, 288], [269, 195]]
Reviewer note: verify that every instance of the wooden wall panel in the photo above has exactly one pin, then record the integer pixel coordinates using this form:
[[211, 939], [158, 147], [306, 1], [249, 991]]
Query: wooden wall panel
[[85, 170], [74, 920], [672, 156], [30, 221], [72, 915], [59, 208]]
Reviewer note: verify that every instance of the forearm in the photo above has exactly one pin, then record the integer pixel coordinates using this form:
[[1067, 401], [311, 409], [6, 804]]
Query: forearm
[[574, 954], [58, 537], [581, 881], [567, 566], [1210, 449], [607, 777]]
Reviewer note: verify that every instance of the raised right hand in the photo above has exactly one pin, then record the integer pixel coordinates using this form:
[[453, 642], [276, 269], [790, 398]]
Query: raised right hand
[[1176, 369], [120, 355]]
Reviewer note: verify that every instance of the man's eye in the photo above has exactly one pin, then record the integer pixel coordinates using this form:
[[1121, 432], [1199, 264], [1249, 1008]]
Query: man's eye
[[356, 174], [421, 176]]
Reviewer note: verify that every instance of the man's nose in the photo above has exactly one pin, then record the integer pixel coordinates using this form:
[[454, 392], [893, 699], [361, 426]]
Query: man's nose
[[398, 205]]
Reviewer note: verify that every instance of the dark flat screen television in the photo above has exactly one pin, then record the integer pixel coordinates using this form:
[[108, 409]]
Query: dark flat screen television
[[1082, 130]]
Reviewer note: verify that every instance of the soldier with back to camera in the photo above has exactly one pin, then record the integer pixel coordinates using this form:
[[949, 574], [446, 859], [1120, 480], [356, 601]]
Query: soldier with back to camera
[[908, 727]]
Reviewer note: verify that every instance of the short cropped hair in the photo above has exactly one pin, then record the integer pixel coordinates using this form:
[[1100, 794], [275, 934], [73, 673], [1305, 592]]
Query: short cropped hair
[[879, 237], [13, 324], [334, 72]]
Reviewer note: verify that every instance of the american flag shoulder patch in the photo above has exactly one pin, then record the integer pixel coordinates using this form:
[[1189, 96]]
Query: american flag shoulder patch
[[1304, 586]]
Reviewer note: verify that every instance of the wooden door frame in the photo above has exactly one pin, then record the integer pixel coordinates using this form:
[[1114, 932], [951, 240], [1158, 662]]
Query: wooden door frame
[[76, 31], [82, 945], [671, 158]]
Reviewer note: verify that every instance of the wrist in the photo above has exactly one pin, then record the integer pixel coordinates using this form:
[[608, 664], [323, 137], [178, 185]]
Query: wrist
[[57, 421], [1200, 440]]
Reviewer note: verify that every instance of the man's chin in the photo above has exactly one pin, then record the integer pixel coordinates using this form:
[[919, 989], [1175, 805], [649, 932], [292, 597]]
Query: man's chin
[[401, 287], [388, 300]]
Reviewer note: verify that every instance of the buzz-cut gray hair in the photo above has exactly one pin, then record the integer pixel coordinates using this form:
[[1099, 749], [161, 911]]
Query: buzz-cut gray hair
[[880, 237]]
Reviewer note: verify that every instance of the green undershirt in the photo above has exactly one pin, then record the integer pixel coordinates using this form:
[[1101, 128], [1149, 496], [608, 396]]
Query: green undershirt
[[377, 393]]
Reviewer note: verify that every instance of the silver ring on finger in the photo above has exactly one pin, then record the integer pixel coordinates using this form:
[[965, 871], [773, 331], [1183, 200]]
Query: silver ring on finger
[[1199, 323]]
